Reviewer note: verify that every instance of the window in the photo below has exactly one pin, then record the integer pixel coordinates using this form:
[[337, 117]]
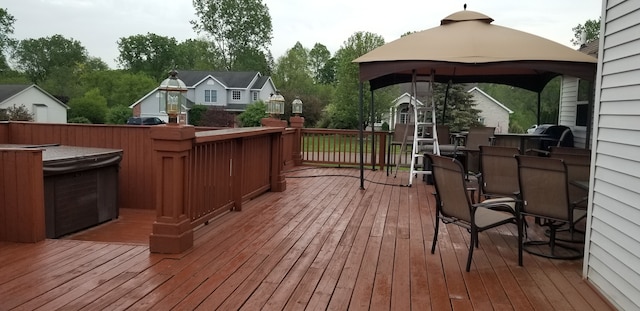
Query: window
[[583, 90], [404, 115], [210, 96], [255, 96], [235, 95], [582, 113]]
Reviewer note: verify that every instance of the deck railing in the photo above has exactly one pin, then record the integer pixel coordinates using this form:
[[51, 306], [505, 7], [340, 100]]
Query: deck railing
[[342, 147], [225, 167]]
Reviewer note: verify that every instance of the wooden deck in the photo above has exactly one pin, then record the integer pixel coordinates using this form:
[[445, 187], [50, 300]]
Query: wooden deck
[[323, 244]]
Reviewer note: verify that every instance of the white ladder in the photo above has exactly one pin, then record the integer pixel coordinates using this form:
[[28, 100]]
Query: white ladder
[[425, 118]]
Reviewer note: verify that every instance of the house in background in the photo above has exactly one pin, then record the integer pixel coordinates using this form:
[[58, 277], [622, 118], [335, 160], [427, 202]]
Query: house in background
[[43, 106], [231, 91], [399, 111], [575, 95], [492, 112]]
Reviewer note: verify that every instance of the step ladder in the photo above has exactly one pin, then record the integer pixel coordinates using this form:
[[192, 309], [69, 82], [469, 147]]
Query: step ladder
[[424, 131]]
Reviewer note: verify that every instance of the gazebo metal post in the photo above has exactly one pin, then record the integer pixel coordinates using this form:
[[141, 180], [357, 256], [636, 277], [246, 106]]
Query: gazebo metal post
[[361, 119], [373, 135]]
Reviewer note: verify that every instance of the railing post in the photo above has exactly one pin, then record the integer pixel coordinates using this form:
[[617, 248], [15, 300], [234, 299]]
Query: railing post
[[297, 123], [171, 231], [273, 122], [278, 183], [382, 149]]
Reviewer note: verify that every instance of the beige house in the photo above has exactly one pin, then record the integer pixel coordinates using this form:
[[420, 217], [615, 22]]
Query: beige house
[[492, 112], [42, 105]]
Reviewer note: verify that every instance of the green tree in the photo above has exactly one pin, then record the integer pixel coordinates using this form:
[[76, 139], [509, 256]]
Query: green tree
[[120, 87], [292, 71], [38, 58], [460, 113], [82, 120], [68, 82], [590, 30], [196, 54], [151, 54], [6, 30], [250, 59], [119, 115], [92, 106], [195, 114], [293, 76], [343, 111], [319, 63], [8, 76], [524, 103], [234, 25], [253, 114]]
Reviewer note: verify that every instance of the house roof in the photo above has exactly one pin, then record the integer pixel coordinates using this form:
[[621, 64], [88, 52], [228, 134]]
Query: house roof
[[409, 96], [476, 89], [590, 48], [231, 79], [8, 91], [262, 80]]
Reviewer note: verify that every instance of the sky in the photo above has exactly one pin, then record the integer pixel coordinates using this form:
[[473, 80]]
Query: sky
[[99, 24]]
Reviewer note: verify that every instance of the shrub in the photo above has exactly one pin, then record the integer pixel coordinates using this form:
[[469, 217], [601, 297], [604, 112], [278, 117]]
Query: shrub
[[79, 120]]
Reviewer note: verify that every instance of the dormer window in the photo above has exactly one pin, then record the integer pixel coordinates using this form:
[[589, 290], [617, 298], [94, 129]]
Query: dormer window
[[235, 95]]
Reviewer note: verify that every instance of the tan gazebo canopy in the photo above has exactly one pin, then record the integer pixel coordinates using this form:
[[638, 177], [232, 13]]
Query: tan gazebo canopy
[[466, 47]]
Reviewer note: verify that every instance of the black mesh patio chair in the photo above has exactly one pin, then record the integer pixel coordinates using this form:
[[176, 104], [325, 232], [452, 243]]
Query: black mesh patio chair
[[545, 194], [454, 206]]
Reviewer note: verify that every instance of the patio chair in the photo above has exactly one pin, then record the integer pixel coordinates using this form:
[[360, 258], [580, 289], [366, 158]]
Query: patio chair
[[454, 206], [499, 173], [569, 150], [578, 170], [544, 192], [477, 136]]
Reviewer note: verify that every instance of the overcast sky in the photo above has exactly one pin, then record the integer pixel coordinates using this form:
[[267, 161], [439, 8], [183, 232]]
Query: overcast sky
[[98, 24]]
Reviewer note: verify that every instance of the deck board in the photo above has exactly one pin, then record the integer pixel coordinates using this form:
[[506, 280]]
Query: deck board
[[323, 244]]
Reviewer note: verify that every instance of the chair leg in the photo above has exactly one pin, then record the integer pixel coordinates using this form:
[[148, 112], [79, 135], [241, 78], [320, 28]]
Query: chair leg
[[435, 236], [520, 222], [473, 242]]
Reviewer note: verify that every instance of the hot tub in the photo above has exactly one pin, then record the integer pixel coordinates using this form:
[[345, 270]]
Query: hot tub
[[80, 187]]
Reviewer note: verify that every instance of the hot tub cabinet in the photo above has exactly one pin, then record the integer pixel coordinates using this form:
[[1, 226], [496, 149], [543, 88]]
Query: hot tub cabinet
[[80, 187]]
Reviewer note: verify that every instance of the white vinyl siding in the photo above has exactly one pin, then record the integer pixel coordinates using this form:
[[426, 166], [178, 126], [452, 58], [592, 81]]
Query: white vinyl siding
[[568, 110], [612, 253]]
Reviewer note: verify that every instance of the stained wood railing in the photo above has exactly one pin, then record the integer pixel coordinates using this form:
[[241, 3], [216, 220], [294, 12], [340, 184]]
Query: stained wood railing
[[229, 167], [226, 167], [342, 147]]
